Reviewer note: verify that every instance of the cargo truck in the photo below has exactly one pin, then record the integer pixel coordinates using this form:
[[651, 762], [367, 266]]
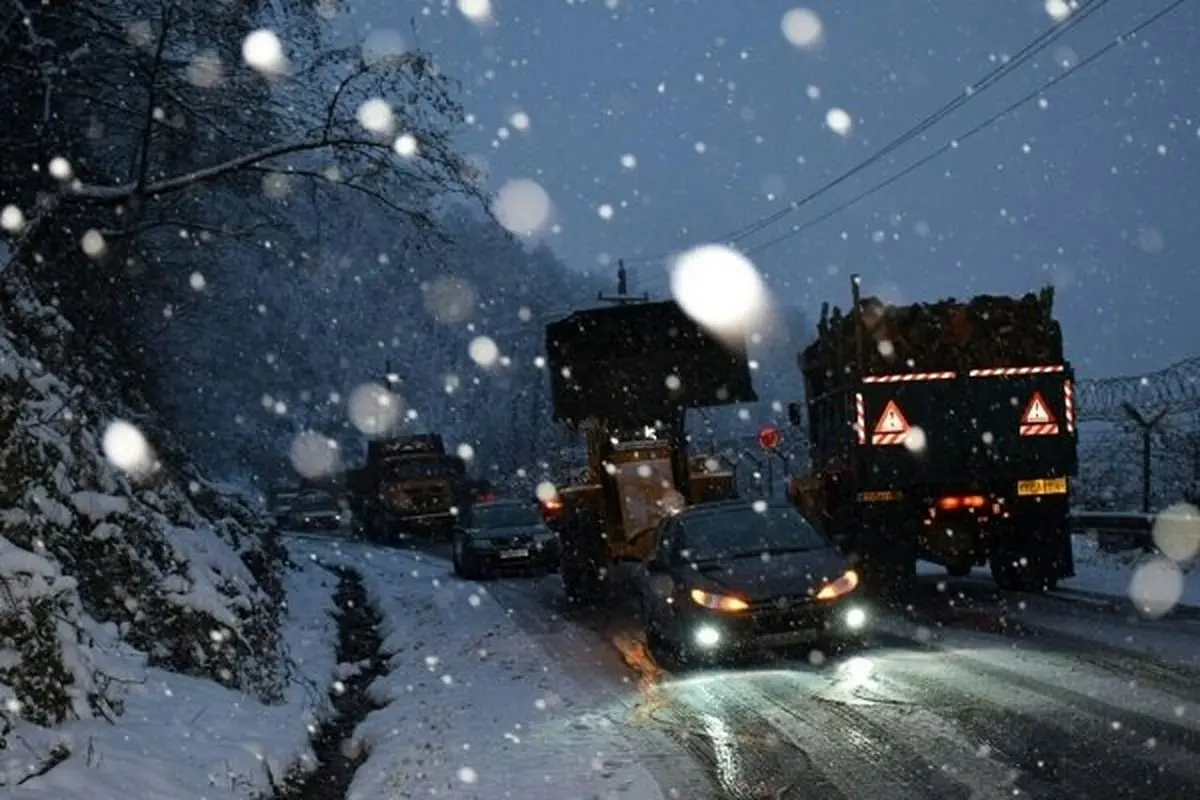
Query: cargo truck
[[944, 432], [409, 485]]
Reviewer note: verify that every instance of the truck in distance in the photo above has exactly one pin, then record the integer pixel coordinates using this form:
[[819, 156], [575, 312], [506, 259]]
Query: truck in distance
[[409, 484]]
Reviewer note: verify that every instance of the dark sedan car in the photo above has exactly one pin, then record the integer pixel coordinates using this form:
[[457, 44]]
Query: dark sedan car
[[735, 574], [505, 535]]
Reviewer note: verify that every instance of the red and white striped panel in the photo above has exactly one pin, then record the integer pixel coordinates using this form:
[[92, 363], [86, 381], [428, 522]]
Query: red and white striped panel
[[907, 377], [1004, 372], [1046, 429], [1069, 402], [889, 438], [860, 418]]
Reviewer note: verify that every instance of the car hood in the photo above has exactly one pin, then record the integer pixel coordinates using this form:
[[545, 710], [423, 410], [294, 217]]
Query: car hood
[[784, 574], [508, 533]]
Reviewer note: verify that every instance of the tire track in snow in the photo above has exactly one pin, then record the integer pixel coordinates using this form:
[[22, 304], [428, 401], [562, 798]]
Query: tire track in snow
[[579, 641], [1066, 744]]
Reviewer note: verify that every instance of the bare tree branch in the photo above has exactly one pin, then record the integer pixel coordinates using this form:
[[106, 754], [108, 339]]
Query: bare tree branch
[[118, 194]]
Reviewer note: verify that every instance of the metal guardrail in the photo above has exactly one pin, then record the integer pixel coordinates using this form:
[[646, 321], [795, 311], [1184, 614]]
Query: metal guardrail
[[1116, 530]]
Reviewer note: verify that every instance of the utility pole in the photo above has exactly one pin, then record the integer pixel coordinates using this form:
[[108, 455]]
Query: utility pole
[[1146, 426], [623, 298]]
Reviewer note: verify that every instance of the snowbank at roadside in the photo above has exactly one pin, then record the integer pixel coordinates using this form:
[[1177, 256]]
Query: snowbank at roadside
[[182, 738], [472, 706], [1147, 579], [1144, 578]]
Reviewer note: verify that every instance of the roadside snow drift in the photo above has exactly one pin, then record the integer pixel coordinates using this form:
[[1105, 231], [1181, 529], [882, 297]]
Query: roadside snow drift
[[125, 604], [472, 706], [181, 738]]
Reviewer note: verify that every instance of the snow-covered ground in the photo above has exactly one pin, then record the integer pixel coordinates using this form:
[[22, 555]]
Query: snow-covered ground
[[184, 738], [472, 706], [1151, 581]]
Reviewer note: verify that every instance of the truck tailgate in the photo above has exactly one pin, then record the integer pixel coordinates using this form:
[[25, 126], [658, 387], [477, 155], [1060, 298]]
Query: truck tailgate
[[987, 425]]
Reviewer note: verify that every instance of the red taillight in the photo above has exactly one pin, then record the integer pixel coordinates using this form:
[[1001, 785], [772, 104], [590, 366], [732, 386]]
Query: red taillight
[[953, 503]]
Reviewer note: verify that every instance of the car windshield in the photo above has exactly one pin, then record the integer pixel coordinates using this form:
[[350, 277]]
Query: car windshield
[[744, 532], [316, 502], [505, 516]]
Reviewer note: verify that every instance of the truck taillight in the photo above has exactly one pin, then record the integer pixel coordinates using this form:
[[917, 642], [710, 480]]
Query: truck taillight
[[954, 502]]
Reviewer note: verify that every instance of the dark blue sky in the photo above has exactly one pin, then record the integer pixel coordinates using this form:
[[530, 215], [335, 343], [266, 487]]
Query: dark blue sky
[[1095, 192]]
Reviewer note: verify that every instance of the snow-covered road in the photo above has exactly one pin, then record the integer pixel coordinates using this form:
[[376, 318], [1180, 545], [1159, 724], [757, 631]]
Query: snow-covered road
[[973, 696], [502, 690]]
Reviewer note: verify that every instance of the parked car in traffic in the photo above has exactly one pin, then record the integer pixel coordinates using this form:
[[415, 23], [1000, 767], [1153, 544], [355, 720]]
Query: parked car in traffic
[[503, 536], [316, 511], [732, 575]]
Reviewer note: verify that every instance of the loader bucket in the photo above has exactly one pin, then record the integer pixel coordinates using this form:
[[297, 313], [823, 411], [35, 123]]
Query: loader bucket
[[638, 363]]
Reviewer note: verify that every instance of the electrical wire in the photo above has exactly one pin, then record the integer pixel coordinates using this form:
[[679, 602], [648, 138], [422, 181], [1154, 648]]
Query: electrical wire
[[954, 143], [1040, 43]]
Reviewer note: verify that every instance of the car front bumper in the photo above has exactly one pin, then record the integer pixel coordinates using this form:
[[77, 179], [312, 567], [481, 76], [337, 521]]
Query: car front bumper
[[713, 631], [323, 522], [540, 555]]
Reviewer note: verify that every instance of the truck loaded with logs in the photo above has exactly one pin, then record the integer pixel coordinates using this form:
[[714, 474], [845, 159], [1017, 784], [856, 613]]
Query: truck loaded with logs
[[942, 431]]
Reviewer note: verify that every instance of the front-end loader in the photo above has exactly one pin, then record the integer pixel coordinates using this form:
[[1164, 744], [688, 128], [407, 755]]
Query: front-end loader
[[625, 376]]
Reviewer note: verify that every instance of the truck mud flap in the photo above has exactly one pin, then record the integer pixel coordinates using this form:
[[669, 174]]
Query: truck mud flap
[[584, 561]]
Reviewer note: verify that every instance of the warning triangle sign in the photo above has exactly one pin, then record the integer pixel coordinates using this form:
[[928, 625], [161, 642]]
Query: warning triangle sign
[[1037, 412], [892, 421]]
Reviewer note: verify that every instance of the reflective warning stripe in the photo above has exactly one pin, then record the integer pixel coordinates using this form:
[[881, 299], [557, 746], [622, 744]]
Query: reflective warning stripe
[[1069, 402], [889, 438], [860, 418], [1001, 372], [1046, 429], [906, 377]]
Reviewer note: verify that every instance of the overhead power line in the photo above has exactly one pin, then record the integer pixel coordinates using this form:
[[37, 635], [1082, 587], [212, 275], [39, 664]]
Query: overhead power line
[[956, 141], [1040, 43]]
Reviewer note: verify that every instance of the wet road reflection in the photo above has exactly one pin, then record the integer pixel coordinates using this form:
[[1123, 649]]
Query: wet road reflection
[[964, 697]]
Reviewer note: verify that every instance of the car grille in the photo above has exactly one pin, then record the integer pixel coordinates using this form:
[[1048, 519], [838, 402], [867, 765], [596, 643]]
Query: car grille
[[505, 542], [783, 614]]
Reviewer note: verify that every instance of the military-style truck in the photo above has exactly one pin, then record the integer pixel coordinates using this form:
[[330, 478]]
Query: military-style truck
[[409, 485], [942, 431], [624, 376]]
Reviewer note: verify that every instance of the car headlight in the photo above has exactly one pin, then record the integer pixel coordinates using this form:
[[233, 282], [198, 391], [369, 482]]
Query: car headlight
[[718, 602], [847, 583]]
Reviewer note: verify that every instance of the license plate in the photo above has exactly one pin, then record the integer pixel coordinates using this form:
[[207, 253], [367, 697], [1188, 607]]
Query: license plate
[[522, 553], [1039, 486], [787, 638]]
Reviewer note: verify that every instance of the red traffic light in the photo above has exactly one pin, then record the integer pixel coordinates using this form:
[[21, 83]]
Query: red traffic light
[[769, 437]]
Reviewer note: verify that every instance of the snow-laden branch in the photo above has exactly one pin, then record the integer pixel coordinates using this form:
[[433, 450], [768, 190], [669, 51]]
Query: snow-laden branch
[[118, 194]]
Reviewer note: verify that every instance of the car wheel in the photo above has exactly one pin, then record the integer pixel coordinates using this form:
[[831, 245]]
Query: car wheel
[[463, 566]]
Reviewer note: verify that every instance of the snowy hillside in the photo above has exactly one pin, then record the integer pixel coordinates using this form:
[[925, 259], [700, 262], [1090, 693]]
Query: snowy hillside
[[106, 573]]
